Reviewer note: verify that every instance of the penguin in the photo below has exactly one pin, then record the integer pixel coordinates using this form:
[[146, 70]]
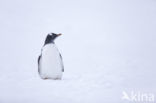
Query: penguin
[[50, 63]]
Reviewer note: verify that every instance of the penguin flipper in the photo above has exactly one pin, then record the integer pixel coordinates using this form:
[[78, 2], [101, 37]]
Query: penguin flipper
[[39, 58], [62, 63]]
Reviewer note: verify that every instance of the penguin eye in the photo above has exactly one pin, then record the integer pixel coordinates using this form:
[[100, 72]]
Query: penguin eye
[[53, 34]]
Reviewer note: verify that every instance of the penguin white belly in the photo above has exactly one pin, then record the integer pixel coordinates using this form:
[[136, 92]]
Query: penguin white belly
[[50, 64]]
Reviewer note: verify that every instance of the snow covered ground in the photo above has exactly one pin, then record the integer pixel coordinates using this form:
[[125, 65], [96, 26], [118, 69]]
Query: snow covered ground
[[108, 46]]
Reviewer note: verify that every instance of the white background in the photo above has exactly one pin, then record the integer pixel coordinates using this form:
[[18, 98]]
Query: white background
[[108, 46]]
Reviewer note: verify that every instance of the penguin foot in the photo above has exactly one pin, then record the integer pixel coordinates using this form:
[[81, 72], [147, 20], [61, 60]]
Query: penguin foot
[[51, 78], [45, 78]]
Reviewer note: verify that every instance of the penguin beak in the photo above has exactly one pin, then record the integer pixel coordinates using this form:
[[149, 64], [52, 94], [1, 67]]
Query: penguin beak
[[59, 34]]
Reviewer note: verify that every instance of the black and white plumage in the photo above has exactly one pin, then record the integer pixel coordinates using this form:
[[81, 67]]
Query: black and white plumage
[[50, 64]]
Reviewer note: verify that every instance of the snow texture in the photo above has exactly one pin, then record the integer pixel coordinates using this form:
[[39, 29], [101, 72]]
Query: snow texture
[[108, 46]]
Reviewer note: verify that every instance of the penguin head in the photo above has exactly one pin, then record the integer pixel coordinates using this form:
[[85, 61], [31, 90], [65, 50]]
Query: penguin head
[[51, 37], [54, 36]]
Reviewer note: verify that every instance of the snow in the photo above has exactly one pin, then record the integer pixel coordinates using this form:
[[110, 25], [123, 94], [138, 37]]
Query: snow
[[108, 46]]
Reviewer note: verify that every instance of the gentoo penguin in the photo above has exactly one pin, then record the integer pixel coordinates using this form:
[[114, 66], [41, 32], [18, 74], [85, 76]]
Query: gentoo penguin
[[50, 64]]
